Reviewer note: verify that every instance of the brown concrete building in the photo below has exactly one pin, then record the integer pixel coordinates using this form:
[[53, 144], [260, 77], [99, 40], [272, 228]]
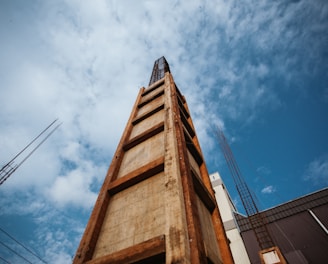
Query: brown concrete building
[[156, 204], [299, 228]]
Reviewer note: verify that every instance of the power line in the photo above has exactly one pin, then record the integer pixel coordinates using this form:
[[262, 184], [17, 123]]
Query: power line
[[30, 251], [31, 142], [50, 133], [15, 252], [8, 169], [4, 260]]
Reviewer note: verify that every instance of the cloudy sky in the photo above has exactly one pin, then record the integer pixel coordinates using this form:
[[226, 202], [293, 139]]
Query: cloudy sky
[[260, 70]]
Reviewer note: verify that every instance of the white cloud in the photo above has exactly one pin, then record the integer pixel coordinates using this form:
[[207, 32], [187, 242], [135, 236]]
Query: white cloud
[[57, 241], [268, 189], [73, 189], [79, 174], [263, 170], [317, 171]]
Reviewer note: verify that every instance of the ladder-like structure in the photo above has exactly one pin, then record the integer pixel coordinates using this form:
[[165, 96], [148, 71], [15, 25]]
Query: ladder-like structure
[[268, 251], [156, 204], [256, 219]]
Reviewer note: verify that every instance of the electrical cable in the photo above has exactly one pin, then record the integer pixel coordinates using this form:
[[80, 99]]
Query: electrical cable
[[15, 252], [50, 133], [4, 260], [21, 244], [29, 144], [13, 169]]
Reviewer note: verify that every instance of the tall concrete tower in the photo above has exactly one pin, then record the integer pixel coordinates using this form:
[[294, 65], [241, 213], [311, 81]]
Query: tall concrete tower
[[156, 204]]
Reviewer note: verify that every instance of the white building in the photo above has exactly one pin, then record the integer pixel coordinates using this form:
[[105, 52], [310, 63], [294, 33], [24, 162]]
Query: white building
[[226, 208]]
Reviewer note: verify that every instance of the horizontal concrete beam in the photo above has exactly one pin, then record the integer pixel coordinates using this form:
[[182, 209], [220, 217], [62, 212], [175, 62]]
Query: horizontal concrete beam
[[142, 251], [136, 176]]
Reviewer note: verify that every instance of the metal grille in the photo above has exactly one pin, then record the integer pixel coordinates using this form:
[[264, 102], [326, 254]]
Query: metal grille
[[256, 220], [160, 68]]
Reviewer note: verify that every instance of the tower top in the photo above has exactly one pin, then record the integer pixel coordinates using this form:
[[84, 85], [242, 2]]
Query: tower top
[[160, 68]]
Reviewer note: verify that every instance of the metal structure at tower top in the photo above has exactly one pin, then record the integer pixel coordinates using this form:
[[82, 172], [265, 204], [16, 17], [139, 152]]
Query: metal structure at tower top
[[160, 68]]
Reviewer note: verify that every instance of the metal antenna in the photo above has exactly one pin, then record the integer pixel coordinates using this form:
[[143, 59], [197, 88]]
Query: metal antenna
[[8, 169]]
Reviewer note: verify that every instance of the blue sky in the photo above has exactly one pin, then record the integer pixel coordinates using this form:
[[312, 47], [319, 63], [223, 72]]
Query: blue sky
[[258, 69]]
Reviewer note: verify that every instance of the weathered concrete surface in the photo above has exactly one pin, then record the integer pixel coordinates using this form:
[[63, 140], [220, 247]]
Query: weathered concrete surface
[[132, 217], [148, 197]]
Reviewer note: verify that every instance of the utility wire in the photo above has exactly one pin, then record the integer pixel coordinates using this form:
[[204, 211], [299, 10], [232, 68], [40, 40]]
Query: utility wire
[[8, 169], [30, 143], [51, 132], [30, 251], [15, 252], [7, 174], [4, 260]]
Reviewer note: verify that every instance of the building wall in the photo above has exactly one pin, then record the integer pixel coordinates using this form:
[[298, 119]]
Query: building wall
[[132, 217], [227, 208], [298, 235], [294, 230]]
